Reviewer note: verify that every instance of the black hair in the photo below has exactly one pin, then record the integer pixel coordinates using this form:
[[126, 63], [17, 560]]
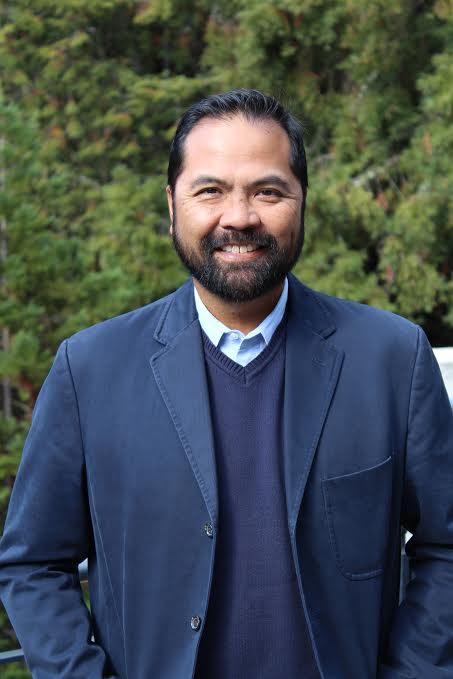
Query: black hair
[[253, 105]]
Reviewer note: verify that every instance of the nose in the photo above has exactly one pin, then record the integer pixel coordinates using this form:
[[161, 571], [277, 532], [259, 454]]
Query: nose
[[238, 214]]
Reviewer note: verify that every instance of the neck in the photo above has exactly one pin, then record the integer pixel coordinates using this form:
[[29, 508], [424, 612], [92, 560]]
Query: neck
[[242, 316]]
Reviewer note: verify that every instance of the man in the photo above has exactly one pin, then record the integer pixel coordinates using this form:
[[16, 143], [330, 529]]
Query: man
[[236, 460]]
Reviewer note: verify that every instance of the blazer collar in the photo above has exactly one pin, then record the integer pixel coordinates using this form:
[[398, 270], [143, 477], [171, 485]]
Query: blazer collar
[[178, 313], [303, 303]]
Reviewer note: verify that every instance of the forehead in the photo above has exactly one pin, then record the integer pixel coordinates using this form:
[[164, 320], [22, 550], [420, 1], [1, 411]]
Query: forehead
[[236, 144]]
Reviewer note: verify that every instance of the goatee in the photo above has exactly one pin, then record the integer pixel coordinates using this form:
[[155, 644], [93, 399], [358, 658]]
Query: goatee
[[239, 281]]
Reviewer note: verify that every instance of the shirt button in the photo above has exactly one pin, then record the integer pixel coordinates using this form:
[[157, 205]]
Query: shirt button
[[208, 529], [195, 623]]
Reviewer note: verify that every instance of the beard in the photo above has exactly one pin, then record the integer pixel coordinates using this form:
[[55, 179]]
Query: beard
[[239, 281]]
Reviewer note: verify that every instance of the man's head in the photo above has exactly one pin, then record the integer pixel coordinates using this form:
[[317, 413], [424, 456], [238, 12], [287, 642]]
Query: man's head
[[237, 178]]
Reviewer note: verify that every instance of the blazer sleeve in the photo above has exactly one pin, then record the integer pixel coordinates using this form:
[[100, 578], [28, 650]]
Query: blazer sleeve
[[47, 533], [421, 638]]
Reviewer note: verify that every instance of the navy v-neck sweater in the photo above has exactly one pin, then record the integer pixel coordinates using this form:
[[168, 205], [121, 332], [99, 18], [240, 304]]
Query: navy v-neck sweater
[[255, 626]]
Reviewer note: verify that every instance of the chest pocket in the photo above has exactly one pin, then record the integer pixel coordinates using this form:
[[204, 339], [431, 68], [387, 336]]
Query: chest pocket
[[358, 512]]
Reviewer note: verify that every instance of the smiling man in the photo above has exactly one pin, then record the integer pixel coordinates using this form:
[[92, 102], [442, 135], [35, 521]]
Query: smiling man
[[240, 212], [236, 460]]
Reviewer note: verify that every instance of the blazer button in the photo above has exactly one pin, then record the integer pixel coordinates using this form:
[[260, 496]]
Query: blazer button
[[195, 622], [208, 529]]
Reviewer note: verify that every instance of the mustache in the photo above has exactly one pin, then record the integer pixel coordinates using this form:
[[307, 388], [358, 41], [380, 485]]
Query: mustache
[[212, 242]]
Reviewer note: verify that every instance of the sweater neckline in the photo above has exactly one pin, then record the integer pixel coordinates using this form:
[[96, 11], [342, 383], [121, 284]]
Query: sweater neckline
[[245, 373]]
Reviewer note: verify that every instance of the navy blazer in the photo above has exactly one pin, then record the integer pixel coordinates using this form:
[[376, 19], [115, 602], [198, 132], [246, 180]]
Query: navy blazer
[[119, 467]]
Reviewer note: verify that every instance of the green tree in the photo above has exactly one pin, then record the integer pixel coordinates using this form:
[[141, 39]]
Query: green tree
[[91, 94], [367, 79]]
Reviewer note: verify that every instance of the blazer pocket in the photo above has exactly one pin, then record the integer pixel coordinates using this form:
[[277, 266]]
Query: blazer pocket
[[357, 508]]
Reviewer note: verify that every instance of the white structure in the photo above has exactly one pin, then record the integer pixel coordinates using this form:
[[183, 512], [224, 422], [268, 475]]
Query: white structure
[[444, 356]]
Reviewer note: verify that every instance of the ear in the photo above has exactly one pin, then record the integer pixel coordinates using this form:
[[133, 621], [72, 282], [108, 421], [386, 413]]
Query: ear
[[170, 207]]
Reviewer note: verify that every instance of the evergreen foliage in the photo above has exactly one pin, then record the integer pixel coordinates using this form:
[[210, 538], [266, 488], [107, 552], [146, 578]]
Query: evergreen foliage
[[90, 93]]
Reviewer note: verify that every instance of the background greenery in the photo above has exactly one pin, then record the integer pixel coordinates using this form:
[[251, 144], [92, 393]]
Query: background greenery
[[90, 93]]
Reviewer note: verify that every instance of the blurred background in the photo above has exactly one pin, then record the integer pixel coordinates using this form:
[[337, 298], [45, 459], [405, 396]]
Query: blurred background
[[90, 94]]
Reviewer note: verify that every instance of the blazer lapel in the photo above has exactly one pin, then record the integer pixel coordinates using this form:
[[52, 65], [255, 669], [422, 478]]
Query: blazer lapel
[[311, 373], [180, 374]]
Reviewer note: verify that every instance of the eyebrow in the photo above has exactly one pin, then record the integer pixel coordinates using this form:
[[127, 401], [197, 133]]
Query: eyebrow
[[207, 179], [274, 179]]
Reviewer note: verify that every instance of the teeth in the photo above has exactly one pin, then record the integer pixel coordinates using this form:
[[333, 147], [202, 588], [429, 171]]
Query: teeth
[[239, 249]]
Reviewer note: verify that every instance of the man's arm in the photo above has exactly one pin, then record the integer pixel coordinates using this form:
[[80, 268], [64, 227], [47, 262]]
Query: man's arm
[[47, 533], [421, 639]]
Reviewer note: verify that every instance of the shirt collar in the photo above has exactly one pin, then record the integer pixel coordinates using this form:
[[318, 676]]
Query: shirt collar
[[215, 329]]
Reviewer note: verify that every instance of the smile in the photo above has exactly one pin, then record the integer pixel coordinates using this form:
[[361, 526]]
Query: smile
[[236, 249]]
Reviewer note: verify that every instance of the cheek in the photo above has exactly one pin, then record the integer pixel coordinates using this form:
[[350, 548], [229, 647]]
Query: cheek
[[208, 211], [283, 223], [195, 221]]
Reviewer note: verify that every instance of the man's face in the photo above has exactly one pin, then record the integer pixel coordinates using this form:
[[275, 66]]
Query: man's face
[[237, 221]]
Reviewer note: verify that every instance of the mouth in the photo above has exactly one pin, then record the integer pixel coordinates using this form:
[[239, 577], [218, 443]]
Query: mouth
[[233, 252], [239, 249]]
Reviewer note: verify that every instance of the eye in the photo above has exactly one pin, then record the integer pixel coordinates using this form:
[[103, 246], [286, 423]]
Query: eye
[[208, 190], [270, 193]]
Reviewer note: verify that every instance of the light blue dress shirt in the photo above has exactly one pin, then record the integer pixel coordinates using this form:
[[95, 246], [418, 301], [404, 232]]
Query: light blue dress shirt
[[233, 343]]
